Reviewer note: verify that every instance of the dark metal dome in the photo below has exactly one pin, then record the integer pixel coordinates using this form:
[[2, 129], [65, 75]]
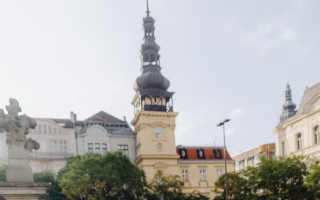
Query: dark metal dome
[[151, 77], [288, 107]]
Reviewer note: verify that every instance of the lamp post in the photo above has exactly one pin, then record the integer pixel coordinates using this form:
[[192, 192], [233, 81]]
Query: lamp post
[[225, 160]]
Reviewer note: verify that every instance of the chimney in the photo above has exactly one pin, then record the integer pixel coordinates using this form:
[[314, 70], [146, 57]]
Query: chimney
[[73, 117]]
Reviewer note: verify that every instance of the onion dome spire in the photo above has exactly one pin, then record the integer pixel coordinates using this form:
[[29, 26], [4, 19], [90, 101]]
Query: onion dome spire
[[151, 77], [151, 83], [288, 107]]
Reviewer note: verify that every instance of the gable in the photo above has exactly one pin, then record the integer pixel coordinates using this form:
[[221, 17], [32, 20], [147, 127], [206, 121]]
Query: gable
[[104, 117], [96, 132], [314, 104], [309, 96]]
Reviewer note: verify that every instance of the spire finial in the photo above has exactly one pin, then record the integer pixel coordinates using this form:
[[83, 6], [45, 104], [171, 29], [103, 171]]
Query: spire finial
[[148, 8]]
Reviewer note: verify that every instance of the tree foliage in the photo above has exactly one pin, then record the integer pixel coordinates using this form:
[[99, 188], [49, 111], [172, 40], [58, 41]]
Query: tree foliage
[[281, 178], [2, 173], [169, 188], [238, 188], [313, 180], [55, 192], [97, 177]]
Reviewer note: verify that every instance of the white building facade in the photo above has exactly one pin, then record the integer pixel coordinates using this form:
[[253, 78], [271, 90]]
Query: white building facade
[[57, 144], [102, 133], [298, 130], [61, 139]]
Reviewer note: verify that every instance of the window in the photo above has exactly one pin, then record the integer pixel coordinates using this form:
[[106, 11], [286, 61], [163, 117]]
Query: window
[[316, 134], [219, 171], [200, 153], [44, 129], [97, 147], [185, 175], [236, 166], [58, 146], [183, 154], [255, 160], [299, 142], [217, 153], [49, 129], [63, 146], [245, 163], [53, 146], [203, 176], [104, 148], [124, 149], [283, 148], [40, 129], [90, 147]]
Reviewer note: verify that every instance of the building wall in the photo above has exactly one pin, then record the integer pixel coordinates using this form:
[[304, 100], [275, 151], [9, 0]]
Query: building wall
[[99, 138], [287, 136], [57, 144], [251, 158], [203, 183], [156, 152], [297, 136]]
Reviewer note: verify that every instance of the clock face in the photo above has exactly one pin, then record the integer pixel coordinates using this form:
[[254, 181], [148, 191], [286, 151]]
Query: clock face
[[158, 133]]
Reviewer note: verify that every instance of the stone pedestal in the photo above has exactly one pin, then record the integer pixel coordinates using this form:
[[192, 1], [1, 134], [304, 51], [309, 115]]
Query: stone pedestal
[[24, 191], [18, 169]]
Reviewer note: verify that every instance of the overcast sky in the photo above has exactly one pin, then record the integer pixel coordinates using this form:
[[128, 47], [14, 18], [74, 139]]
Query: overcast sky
[[224, 59]]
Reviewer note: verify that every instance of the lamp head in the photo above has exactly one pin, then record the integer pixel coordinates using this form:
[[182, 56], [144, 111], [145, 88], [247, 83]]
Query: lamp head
[[222, 123]]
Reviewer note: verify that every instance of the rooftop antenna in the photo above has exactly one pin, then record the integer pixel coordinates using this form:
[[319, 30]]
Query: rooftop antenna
[[148, 8]]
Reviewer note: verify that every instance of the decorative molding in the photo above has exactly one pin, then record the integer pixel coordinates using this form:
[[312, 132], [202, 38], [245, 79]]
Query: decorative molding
[[160, 165]]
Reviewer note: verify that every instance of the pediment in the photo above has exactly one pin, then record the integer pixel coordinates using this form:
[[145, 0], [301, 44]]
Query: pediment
[[160, 165], [96, 131], [314, 104]]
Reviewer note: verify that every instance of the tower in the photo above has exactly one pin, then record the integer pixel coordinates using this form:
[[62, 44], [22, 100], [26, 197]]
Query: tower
[[154, 120], [288, 107]]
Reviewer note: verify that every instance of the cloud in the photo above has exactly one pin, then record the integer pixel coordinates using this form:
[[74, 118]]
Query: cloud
[[236, 113], [230, 131], [288, 35], [270, 35]]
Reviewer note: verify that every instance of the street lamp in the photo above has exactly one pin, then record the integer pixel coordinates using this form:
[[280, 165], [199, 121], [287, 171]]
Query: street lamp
[[225, 161]]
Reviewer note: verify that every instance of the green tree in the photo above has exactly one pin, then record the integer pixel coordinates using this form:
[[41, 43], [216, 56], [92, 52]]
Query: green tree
[[97, 177], [55, 192], [2, 173], [238, 188], [169, 188], [313, 180], [281, 178]]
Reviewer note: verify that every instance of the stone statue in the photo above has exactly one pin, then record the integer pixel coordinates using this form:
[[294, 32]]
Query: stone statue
[[19, 183], [16, 128]]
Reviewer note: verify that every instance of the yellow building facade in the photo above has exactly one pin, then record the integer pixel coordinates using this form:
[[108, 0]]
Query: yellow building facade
[[155, 122]]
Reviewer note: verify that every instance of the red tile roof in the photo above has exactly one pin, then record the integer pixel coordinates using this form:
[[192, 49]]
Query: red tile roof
[[192, 153]]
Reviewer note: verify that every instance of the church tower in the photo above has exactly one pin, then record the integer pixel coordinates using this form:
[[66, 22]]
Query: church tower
[[288, 107], [154, 120]]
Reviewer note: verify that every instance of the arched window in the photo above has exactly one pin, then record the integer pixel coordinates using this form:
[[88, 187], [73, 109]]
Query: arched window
[[299, 141], [316, 134]]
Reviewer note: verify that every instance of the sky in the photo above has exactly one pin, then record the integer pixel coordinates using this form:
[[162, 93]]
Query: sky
[[224, 59]]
